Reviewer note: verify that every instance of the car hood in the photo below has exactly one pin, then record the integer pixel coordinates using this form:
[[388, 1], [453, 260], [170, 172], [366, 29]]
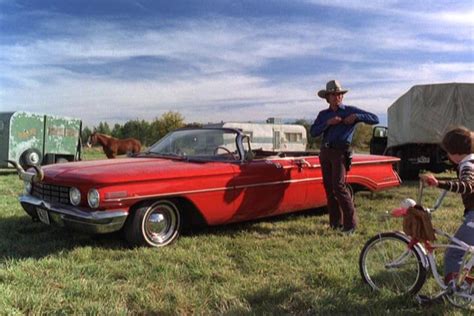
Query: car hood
[[130, 170]]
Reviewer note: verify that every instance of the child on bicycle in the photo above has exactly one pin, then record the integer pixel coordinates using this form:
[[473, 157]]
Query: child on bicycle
[[459, 144]]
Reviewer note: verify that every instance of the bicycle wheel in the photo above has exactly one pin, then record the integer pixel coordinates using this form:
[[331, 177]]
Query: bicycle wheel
[[386, 263]]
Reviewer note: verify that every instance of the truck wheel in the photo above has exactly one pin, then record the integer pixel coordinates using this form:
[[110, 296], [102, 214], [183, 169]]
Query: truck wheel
[[31, 157], [153, 224]]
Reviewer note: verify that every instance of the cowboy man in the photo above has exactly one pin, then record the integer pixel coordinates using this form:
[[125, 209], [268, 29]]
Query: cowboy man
[[337, 125]]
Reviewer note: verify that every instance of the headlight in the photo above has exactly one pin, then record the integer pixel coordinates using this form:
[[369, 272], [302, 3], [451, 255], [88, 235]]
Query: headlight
[[93, 198], [28, 187], [74, 196]]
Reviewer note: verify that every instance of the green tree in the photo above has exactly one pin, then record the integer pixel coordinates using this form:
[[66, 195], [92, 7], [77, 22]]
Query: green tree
[[137, 129], [86, 132], [193, 125], [168, 122], [103, 128], [362, 136], [117, 131]]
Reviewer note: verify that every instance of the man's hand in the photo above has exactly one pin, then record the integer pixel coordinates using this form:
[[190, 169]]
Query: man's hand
[[429, 179], [350, 119], [335, 120]]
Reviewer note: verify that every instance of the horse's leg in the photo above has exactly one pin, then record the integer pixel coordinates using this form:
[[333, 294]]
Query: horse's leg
[[115, 150], [110, 154], [136, 148]]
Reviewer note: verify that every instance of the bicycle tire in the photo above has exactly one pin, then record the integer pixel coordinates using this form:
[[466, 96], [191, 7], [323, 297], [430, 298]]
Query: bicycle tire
[[405, 277]]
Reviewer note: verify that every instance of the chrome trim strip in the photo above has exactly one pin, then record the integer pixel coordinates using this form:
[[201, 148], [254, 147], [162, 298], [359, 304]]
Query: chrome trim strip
[[317, 165], [276, 182], [375, 162], [212, 189]]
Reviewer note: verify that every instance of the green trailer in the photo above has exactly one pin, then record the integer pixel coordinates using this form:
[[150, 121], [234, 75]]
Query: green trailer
[[38, 139]]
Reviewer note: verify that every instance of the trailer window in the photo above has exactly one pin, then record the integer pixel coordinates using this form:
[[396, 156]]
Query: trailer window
[[294, 137]]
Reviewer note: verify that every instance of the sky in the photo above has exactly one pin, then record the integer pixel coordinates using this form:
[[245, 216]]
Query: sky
[[219, 60]]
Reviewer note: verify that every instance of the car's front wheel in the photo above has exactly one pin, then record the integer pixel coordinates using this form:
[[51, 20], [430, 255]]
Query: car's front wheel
[[153, 224]]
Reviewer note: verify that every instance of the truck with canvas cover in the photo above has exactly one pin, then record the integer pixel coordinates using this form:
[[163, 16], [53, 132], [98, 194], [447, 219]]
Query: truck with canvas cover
[[36, 139], [417, 122]]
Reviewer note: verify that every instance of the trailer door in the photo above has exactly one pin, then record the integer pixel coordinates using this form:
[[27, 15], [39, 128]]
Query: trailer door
[[61, 136]]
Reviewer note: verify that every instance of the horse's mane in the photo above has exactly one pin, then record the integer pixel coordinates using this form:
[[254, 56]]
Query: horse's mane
[[105, 135]]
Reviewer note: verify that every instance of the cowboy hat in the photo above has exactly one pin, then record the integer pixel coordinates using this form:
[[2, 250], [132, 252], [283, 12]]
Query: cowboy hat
[[332, 86]]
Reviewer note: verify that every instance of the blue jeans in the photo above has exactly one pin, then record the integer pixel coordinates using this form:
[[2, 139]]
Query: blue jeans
[[453, 257]]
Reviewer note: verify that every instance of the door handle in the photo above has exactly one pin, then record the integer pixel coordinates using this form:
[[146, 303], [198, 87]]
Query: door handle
[[276, 164], [302, 163]]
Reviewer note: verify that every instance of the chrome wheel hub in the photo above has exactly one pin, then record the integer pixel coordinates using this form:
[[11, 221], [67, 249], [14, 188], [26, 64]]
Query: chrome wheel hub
[[161, 224]]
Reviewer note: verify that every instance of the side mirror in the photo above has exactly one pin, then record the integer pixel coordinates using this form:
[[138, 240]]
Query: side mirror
[[380, 132]]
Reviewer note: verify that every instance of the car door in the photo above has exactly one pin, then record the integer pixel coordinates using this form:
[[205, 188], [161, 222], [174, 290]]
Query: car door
[[316, 195], [267, 187]]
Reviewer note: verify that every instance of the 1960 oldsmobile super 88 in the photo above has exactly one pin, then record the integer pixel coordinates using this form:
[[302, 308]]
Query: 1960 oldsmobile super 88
[[208, 175]]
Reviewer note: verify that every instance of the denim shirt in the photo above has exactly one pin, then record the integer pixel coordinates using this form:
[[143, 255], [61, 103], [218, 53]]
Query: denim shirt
[[340, 133]]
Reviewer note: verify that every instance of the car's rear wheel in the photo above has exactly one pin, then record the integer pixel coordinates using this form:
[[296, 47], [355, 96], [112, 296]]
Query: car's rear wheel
[[153, 224]]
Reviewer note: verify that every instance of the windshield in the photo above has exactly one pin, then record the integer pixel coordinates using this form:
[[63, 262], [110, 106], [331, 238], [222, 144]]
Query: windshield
[[208, 144]]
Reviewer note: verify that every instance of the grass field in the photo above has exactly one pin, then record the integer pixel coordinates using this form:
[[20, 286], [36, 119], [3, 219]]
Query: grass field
[[287, 265]]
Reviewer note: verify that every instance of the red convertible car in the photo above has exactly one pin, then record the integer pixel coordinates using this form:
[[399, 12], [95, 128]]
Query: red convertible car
[[208, 175]]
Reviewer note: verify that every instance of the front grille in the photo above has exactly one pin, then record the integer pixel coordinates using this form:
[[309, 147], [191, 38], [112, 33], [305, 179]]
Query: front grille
[[51, 193]]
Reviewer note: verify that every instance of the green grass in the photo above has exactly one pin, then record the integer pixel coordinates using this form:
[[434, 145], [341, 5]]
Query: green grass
[[287, 265]]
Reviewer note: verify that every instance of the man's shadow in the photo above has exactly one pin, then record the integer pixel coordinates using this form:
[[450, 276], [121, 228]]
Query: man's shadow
[[257, 190]]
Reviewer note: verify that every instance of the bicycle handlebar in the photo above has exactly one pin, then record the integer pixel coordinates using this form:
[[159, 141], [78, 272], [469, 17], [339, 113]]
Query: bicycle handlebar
[[438, 202]]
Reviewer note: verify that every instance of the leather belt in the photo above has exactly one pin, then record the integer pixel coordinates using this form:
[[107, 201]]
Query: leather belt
[[342, 146]]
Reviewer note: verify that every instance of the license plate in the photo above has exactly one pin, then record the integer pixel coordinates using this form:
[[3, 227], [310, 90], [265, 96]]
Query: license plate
[[43, 216], [423, 159]]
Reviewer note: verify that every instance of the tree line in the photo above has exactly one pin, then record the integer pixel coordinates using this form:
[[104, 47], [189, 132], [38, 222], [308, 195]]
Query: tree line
[[146, 132], [150, 132]]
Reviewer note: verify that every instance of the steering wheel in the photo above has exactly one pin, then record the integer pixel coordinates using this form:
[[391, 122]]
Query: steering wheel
[[224, 149]]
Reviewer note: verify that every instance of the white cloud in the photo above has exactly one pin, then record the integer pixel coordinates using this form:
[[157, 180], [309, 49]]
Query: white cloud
[[222, 59]]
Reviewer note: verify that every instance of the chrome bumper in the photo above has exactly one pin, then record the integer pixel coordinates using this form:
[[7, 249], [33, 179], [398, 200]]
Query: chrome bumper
[[98, 222]]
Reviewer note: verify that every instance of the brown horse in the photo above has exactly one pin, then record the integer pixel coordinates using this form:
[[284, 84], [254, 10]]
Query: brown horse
[[114, 146]]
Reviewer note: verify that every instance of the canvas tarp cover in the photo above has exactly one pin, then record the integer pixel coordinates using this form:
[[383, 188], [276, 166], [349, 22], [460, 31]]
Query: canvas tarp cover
[[426, 112]]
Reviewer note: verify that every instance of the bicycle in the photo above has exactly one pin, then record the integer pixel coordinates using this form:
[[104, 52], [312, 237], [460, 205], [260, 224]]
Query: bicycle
[[395, 262]]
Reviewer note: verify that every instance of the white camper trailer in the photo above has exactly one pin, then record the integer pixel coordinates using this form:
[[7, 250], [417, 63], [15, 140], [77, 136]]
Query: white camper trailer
[[271, 137]]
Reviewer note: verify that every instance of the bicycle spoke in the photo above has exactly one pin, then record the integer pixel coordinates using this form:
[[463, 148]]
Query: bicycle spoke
[[387, 264]]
